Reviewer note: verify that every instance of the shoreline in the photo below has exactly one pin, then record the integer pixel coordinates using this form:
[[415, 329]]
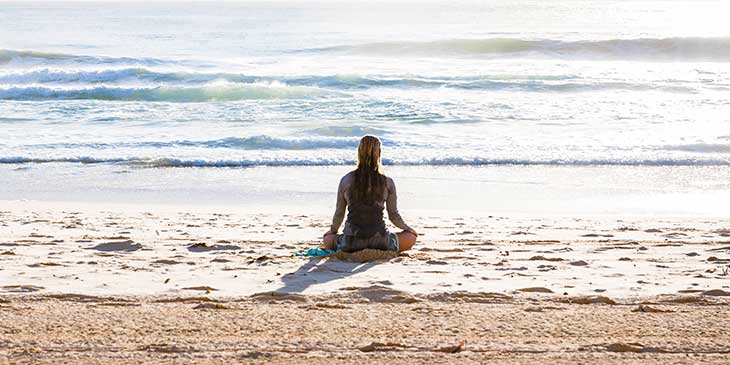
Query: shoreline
[[444, 190], [324, 211]]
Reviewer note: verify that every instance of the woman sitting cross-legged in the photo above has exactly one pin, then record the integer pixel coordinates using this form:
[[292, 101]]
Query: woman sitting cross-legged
[[365, 192]]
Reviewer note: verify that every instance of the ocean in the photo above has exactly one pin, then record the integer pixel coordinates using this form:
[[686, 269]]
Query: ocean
[[91, 91]]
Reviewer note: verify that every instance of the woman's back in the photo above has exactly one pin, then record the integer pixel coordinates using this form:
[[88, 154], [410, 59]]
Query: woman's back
[[368, 213], [365, 193]]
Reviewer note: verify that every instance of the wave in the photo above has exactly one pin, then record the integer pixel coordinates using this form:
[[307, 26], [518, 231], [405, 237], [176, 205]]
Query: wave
[[539, 86], [42, 76], [687, 48], [486, 83], [204, 93], [137, 74], [700, 148], [666, 49], [261, 142], [40, 57], [348, 131], [340, 81], [448, 161], [186, 80]]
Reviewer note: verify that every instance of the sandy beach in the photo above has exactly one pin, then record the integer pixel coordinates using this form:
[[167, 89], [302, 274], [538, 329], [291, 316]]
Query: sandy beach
[[98, 283], [367, 326]]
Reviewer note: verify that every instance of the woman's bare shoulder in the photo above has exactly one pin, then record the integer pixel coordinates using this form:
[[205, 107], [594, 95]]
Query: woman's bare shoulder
[[348, 177], [389, 182]]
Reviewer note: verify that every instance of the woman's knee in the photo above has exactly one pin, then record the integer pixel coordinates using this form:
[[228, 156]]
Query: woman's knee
[[406, 240], [329, 240]]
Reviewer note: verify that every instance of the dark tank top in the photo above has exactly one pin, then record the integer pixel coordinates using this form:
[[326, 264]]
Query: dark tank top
[[365, 220]]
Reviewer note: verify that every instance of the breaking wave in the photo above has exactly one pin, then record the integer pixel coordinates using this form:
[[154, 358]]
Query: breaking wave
[[451, 161], [701, 148], [261, 142], [689, 48], [60, 76], [203, 93], [222, 86], [39, 57]]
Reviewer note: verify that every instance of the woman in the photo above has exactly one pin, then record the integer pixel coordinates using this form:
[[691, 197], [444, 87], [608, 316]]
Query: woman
[[365, 192]]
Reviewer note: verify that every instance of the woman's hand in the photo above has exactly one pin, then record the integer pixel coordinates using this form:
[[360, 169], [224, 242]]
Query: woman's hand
[[328, 233]]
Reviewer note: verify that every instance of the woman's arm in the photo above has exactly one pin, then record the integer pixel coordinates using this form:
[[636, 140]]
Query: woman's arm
[[340, 208], [392, 207]]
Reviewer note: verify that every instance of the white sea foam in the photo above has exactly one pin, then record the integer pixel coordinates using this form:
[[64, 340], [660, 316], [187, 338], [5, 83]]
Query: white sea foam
[[260, 142], [324, 161], [701, 148], [117, 75], [173, 75], [204, 93], [117, 84]]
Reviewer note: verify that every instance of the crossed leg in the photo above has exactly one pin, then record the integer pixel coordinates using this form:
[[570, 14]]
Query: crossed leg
[[406, 240], [329, 242]]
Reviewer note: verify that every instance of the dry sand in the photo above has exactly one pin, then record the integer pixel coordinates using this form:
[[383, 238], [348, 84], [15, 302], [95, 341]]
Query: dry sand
[[116, 285], [364, 326]]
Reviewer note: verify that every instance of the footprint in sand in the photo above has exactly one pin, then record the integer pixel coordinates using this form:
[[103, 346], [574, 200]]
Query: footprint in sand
[[579, 263], [21, 288], [631, 347], [543, 258], [675, 235], [648, 309], [203, 247], [716, 293], [589, 300], [209, 305], [200, 288], [536, 290], [597, 235], [166, 262], [383, 282], [121, 246], [44, 264]]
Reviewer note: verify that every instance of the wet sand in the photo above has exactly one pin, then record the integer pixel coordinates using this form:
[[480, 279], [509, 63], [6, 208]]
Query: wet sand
[[110, 284]]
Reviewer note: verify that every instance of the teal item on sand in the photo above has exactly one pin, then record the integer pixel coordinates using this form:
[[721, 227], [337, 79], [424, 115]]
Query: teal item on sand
[[316, 252]]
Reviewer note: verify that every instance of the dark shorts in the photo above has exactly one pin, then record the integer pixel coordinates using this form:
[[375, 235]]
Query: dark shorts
[[379, 241]]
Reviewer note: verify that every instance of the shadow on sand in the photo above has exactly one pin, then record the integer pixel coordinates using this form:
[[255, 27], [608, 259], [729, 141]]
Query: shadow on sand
[[319, 270]]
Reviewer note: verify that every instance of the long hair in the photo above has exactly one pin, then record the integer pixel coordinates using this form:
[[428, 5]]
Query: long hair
[[369, 184]]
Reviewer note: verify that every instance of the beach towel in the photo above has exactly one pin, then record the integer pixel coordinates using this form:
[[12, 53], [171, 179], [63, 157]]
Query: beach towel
[[314, 252]]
